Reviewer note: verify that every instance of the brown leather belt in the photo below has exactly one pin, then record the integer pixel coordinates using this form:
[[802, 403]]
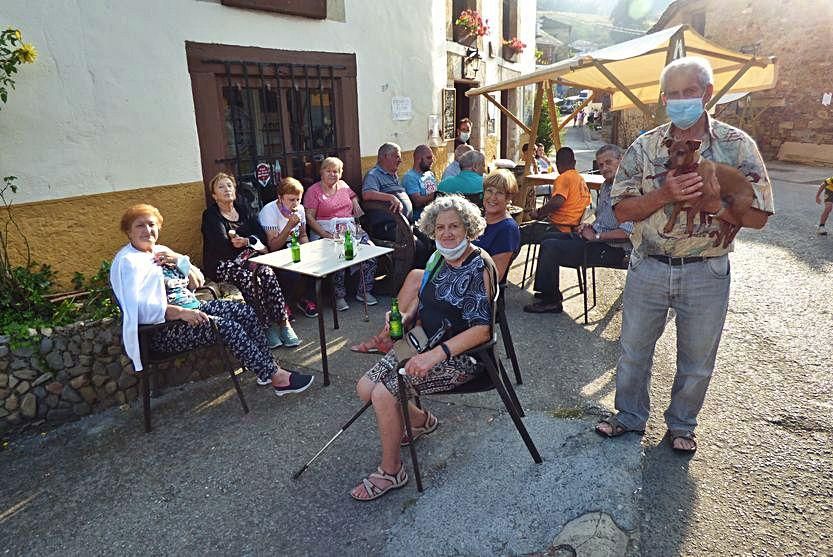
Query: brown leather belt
[[677, 261]]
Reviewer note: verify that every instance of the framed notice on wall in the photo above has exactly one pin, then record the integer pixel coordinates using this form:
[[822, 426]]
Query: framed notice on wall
[[449, 118]]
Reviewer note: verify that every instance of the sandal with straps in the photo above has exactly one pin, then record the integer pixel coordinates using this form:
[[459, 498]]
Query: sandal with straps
[[373, 491], [431, 423]]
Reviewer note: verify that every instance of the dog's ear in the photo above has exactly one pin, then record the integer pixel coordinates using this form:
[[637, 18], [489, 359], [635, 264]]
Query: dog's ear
[[694, 144], [668, 142]]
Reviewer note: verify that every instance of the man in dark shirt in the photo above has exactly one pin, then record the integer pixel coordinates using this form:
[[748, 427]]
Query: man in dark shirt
[[382, 184]]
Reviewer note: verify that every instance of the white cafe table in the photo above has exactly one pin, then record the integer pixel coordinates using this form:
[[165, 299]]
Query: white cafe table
[[319, 260]]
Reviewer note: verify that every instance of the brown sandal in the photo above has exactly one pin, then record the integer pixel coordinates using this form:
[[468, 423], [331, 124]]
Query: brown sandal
[[688, 436], [380, 344], [616, 428]]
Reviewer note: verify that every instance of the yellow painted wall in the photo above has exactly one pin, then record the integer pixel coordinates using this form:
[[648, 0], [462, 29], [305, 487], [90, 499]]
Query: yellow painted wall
[[440, 161], [77, 233]]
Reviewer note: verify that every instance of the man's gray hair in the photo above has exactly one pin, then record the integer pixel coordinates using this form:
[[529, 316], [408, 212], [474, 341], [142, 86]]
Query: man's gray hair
[[472, 160], [610, 148], [469, 214], [461, 150], [697, 65], [388, 148]]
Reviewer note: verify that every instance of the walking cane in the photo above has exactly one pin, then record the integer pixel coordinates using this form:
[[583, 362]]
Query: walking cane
[[297, 474], [365, 317]]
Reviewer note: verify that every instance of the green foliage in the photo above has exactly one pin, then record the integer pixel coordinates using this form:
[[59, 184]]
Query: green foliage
[[545, 127], [13, 52]]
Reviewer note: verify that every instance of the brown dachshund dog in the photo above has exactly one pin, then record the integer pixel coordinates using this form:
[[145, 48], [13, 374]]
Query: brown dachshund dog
[[721, 183]]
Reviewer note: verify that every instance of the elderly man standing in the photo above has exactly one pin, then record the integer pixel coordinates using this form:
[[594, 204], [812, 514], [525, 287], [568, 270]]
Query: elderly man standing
[[606, 240], [677, 270], [470, 179], [453, 169], [419, 182], [382, 184]]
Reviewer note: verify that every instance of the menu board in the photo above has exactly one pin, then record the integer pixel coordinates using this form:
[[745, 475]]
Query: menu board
[[449, 117]]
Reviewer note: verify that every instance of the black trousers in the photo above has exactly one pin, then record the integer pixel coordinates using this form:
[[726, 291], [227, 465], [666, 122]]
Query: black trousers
[[564, 249]]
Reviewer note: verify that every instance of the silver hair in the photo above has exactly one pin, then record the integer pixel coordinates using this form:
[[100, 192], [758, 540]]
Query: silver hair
[[461, 150], [472, 159], [468, 212], [697, 65], [610, 148], [388, 148]]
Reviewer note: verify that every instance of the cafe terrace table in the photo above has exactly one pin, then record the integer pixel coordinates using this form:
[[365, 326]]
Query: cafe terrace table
[[593, 181], [319, 260]]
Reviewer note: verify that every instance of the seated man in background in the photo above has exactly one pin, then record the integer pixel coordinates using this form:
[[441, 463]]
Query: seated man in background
[[453, 169], [382, 184], [606, 239], [570, 196], [469, 183], [419, 182]]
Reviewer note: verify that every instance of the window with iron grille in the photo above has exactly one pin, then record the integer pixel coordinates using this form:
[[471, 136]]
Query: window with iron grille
[[288, 113]]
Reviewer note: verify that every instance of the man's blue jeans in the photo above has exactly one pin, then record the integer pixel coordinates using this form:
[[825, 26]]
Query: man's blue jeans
[[699, 294]]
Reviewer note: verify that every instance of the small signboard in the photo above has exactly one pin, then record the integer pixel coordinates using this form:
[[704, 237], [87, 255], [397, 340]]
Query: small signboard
[[263, 174], [401, 108]]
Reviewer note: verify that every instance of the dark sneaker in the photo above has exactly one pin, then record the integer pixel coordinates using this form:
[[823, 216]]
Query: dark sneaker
[[308, 308], [298, 383], [544, 307]]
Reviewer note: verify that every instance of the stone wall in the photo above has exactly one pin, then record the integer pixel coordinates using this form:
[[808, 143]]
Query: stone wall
[[77, 370]]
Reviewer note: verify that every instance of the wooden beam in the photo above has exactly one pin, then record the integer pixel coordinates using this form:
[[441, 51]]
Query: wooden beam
[[624, 88], [533, 132], [762, 63], [729, 84], [553, 112], [507, 112]]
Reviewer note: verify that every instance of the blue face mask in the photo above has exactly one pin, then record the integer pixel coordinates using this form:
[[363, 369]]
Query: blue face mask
[[684, 113]]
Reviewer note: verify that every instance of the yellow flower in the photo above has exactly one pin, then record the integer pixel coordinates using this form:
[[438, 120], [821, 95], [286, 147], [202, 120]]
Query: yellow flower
[[27, 53], [17, 34]]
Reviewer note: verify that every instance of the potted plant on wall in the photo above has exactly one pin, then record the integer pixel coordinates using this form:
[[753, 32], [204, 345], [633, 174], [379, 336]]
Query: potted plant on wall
[[511, 48], [468, 26]]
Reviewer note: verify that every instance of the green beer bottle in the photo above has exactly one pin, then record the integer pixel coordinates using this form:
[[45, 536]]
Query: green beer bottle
[[295, 247], [348, 246], [395, 320]]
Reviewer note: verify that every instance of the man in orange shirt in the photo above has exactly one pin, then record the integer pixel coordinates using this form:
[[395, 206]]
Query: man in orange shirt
[[570, 196]]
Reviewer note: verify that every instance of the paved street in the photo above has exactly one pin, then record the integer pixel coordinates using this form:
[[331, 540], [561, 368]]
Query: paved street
[[210, 480]]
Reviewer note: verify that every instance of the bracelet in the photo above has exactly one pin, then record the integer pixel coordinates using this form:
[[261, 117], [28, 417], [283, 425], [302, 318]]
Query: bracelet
[[446, 350]]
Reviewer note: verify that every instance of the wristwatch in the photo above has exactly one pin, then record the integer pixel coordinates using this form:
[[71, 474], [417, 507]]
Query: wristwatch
[[598, 236]]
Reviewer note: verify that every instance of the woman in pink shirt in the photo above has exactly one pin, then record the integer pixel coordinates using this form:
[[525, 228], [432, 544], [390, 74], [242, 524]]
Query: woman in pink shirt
[[332, 206]]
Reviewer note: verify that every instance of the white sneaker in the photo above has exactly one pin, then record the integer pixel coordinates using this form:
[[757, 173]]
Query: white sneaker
[[821, 231], [341, 304], [371, 300]]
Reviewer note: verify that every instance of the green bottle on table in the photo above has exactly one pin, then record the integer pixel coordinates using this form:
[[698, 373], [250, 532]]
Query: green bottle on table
[[395, 320], [348, 246], [295, 247]]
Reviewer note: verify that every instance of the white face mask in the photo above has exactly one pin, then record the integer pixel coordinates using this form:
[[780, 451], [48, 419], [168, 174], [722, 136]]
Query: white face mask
[[454, 253], [464, 136]]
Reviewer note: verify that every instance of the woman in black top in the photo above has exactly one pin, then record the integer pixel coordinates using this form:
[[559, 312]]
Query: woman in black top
[[231, 235], [455, 294]]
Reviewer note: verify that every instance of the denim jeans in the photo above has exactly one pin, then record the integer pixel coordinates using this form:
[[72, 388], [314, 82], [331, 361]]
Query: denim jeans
[[699, 294]]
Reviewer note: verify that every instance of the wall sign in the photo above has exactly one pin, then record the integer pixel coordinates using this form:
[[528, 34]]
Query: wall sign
[[449, 118], [401, 108], [263, 173]]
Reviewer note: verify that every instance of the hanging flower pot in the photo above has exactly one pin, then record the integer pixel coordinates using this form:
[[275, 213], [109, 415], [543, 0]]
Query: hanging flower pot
[[510, 54], [511, 49], [468, 26]]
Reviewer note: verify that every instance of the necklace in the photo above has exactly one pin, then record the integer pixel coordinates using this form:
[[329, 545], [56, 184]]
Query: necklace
[[230, 214]]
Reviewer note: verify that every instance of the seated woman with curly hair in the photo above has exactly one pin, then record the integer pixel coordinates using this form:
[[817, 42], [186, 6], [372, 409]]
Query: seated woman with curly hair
[[231, 235], [454, 305], [151, 283]]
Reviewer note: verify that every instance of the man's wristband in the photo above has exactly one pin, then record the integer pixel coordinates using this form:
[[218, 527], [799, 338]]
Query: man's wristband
[[446, 350]]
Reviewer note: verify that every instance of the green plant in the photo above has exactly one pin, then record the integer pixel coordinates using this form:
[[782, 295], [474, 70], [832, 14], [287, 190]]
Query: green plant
[[544, 132], [13, 52]]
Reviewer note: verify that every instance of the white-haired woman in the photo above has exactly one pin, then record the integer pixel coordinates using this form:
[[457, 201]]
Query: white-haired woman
[[456, 290]]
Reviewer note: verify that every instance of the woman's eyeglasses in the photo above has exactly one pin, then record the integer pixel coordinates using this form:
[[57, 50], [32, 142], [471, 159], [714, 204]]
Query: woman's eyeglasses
[[491, 192]]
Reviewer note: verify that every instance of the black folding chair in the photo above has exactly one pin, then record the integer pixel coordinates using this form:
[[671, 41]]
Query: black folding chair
[[151, 359], [494, 378], [583, 277]]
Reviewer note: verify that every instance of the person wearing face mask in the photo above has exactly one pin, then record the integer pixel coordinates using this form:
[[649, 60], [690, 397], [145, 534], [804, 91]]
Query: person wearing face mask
[[456, 289], [463, 132], [686, 272]]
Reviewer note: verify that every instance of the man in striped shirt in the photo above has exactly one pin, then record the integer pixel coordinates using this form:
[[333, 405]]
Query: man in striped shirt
[[606, 239]]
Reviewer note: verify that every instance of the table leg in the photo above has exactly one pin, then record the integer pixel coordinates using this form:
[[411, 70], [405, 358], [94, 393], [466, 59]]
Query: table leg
[[333, 302], [321, 334]]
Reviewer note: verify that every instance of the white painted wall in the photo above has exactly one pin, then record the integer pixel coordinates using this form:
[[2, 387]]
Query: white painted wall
[[108, 104]]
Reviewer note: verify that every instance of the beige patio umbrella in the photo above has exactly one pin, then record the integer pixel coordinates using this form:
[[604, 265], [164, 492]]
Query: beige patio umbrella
[[629, 72]]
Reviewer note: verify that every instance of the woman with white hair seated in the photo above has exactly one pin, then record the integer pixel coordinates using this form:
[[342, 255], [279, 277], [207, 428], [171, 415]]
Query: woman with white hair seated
[[455, 307]]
